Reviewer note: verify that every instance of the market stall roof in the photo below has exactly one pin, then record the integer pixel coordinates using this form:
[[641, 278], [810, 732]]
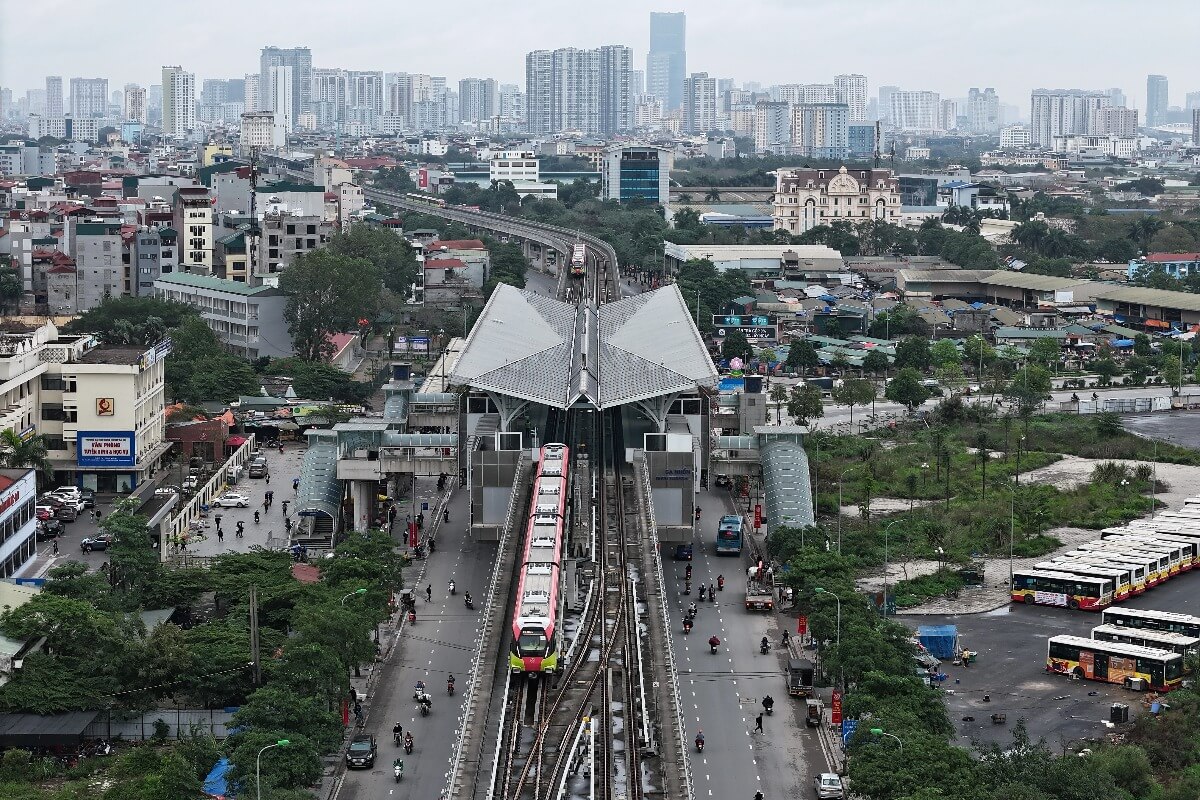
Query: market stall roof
[[36, 730]]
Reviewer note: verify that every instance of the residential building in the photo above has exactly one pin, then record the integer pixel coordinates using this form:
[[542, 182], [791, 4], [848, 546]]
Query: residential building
[[916, 111], [193, 218], [300, 61], [281, 99], [805, 93], [1176, 265], [99, 272], [1060, 112], [285, 235], [579, 90], [18, 159], [156, 253], [1196, 127], [478, 99], [885, 102], [700, 103], [247, 319], [862, 139], [1116, 97], [1114, 121], [637, 82], [1015, 137], [821, 130], [253, 93], [852, 91], [521, 168], [259, 130], [648, 112], [75, 130], [807, 198], [1156, 100], [54, 97], [636, 171], [539, 92], [772, 127], [89, 97], [983, 111], [135, 103], [666, 61], [179, 101]]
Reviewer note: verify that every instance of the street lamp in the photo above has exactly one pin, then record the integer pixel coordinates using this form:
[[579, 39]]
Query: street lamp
[[886, 569], [1012, 511], [819, 590], [258, 765], [352, 594], [882, 732], [839, 508]]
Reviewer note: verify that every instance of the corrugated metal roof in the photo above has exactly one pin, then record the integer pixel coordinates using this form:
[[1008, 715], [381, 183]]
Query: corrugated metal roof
[[1184, 301], [1028, 280]]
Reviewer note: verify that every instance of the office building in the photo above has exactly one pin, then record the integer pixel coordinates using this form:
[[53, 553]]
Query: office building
[[852, 91], [1114, 121], [637, 82], [772, 127], [1061, 112], [89, 97], [1116, 97], [666, 61], [1191, 101], [983, 111], [54, 97], [916, 111], [247, 319], [1015, 137], [478, 99], [300, 60], [521, 169], [135, 103], [807, 198], [259, 130], [179, 101], [1156, 100], [861, 139], [699, 103], [579, 90], [821, 130], [641, 171]]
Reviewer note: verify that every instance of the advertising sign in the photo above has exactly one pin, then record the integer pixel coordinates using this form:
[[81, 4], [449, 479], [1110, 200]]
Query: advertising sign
[[802, 625], [758, 515], [420, 344], [423, 178], [739, 320], [106, 449], [835, 708], [849, 726], [751, 332], [401, 344]]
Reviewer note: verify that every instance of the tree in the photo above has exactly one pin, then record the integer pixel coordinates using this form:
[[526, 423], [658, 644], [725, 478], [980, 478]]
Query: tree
[[392, 256], [21, 453], [944, 352], [854, 392], [779, 396], [1142, 230], [1029, 388], [1173, 239], [905, 388], [875, 362], [10, 287], [319, 381], [897, 321], [952, 377], [132, 321], [1045, 351], [277, 709], [804, 405], [913, 351], [327, 294], [1142, 346], [978, 353], [1117, 251], [735, 345], [1107, 369], [1172, 373], [801, 357]]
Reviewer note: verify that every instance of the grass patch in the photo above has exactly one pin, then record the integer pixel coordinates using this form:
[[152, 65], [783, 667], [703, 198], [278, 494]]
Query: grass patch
[[1086, 436], [914, 591]]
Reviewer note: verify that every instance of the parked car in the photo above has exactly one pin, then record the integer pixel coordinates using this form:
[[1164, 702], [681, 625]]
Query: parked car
[[231, 500], [828, 786], [49, 529], [72, 492], [190, 482], [361, 752], [166, 491], [100, 542], [723, 482], [52, 500], [67, 513], [257, 469], [44, 512], [88, 498]]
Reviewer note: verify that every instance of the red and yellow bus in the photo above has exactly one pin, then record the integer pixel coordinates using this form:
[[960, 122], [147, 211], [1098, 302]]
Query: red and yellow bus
[[1179, 556], [1114, 662], [1144, 637], [1121, 577], [1137, 567], [1157, 565], [1053, 588], [1149, 619]]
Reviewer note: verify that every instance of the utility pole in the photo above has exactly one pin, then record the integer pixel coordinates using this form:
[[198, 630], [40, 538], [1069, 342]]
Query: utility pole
[[254, 656]]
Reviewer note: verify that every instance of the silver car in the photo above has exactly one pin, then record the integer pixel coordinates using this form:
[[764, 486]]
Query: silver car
[[828, 786]]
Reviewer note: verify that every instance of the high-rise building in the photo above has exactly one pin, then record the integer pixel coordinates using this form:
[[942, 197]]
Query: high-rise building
[[135, 103], [253, 95], [573, 89], [1116, 97], [772, 127], [637, 82], [1156, 100], [1014, 137], [861, 139], [852, 91], [666, 61], [282, 97], [300, 60], [89, 97], [1061, 112], [179, 101], [805, 93], [950, 113], [821, 130], [1191, 101], [1196, 127], [478, 99], [1114, 121], [885, 101], [54, 96], [699, 103], [916, 111], [983, 111]]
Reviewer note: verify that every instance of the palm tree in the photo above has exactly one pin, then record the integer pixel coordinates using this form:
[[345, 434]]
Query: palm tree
[[713, 195], [1142, 230], [19, 453]]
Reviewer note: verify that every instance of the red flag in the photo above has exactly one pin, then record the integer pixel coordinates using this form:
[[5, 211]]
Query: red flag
[[802, 625]]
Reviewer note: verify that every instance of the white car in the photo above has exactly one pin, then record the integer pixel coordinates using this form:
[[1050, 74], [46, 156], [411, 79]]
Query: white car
[[232, 500], [65, 492], [190, 482]]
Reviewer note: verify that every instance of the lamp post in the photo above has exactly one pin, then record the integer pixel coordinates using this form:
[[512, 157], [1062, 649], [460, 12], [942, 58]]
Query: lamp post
[[882, 732], [819, 590], [258, 765], [352, 594], [886, 565], [839, 508], [1012, 511]]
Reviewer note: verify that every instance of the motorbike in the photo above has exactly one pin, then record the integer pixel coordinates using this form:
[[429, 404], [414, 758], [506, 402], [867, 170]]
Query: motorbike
[[451, 587], [449, 687], [396, 738], [257, 518], [713, 643], [398, 770], [712, 595], [764, 647], [699, 744], [687, 626], [425, 704], [412, 618], [720, 583], [768, 705], [469, 603], [408, 745]]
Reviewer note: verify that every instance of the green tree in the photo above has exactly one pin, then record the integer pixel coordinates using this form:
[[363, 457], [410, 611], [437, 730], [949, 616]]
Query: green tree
[[1028, 389], [1107, 369], [779, 396], [905, 388], [1141, 346], [913, 351], [875, 362], [1172, 373], [801, 357], [944, 352], [131, 321], [854, 392], [17, 452], [1045, 351], [277, 709], [1142, 230], [952, 377], [327, 294], [899, 320], [804, 404], [978, 352], [392, 256], [735, 345], [10, 288]]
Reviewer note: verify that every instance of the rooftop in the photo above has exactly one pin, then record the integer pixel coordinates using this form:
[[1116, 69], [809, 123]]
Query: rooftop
[[1184, 301], [216, 284], [113, 355], [456, 244]]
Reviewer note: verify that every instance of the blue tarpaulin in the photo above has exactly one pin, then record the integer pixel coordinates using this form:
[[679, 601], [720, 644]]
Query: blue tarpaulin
[[731, 385], [217, 782], [1122, 343], [940, 640]]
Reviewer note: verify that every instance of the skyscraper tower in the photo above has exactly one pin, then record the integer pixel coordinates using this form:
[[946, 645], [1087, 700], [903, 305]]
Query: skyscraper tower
[[54, 97], [666, 63], [179, 101], [300, 60], [1156, 100]]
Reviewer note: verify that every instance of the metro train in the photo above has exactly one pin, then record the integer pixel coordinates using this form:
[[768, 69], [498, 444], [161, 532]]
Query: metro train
[[535, 632], [578, 260]]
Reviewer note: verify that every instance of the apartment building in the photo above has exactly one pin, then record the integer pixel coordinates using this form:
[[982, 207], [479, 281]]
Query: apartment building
[[821, 130], [1062, 112], [193, 215], [575, 89], [700, 103], [247, 319], [772, 127]]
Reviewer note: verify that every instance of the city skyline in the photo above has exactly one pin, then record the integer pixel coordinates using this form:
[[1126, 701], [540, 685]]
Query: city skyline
[[1004, 52]]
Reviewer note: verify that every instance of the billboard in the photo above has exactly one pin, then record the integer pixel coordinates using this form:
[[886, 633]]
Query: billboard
[[106, 449], [751, 332]]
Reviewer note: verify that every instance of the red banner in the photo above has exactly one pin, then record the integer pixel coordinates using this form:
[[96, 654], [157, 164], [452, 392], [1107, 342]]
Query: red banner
[[412, 534], [835, 708], [757, 515], [345, 713], [802, 625]]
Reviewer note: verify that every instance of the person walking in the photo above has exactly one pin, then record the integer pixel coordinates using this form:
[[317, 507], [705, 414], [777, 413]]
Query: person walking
[[295, 484], [56, 547], [429, 593], [220, 535], [758, 724], [284, 506]]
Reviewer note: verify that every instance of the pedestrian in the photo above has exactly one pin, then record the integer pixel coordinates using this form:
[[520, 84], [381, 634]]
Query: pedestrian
[[92, 514], [217, 519], [56, 547], [295, 484], [758, 724], [220, 535], [284, 505], [428, 589], [97, 517], [268, 478]]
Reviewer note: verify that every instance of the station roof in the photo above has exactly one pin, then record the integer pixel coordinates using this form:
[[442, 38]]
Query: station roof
[[535, 348]]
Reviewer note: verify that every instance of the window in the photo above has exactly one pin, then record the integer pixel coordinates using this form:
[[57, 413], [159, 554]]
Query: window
[[312, 244], [311, 229], [53, 412], [52, 383], [291, 229]]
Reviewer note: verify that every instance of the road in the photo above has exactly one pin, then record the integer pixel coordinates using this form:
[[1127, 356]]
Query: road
[[721, 694], [442, 642]]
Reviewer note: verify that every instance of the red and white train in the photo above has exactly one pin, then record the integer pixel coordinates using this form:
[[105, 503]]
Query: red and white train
[[578, 259]]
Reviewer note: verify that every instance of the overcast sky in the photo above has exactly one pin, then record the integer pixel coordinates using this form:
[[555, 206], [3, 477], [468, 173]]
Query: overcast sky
[[943, 45]]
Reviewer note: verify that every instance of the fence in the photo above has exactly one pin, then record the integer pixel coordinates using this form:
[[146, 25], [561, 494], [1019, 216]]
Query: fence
[[1129, 405], [179, 722]]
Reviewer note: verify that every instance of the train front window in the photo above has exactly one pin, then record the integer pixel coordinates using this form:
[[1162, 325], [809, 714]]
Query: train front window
[[532, 642]]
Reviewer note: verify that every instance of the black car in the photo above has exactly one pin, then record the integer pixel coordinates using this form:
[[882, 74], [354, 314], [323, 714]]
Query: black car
[[88, 496], [49, 529], [100, 542], [361, 752]]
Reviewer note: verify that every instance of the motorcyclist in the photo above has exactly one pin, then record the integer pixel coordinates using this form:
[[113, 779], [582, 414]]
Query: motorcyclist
[[451, 587], [1074, 397], [720, 583], [467, 598], [450, 682], [408, 741], [419, 690], [692, 610], [787, 637], [714, 643], [687, 573], [764, 645], [703, 590], [768, 703], [397, 732], [257, 517], [700, 740], [687, 625], [712, 594]]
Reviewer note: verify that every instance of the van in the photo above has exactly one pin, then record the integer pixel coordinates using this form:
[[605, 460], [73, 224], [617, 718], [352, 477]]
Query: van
[[258, 469]]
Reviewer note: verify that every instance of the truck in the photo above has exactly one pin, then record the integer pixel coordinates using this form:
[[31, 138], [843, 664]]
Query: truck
[[799, 678], [759, 598]]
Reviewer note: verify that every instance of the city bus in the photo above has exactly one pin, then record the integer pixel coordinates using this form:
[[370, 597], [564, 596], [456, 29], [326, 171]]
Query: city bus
[[1122, 577], [1186, 546], [1114, 662], [1053, 588], [1177, 555], [1167, 531], [1137, 571], [1152, 620], [1186, 646], [729, 535], [1157, 564]]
